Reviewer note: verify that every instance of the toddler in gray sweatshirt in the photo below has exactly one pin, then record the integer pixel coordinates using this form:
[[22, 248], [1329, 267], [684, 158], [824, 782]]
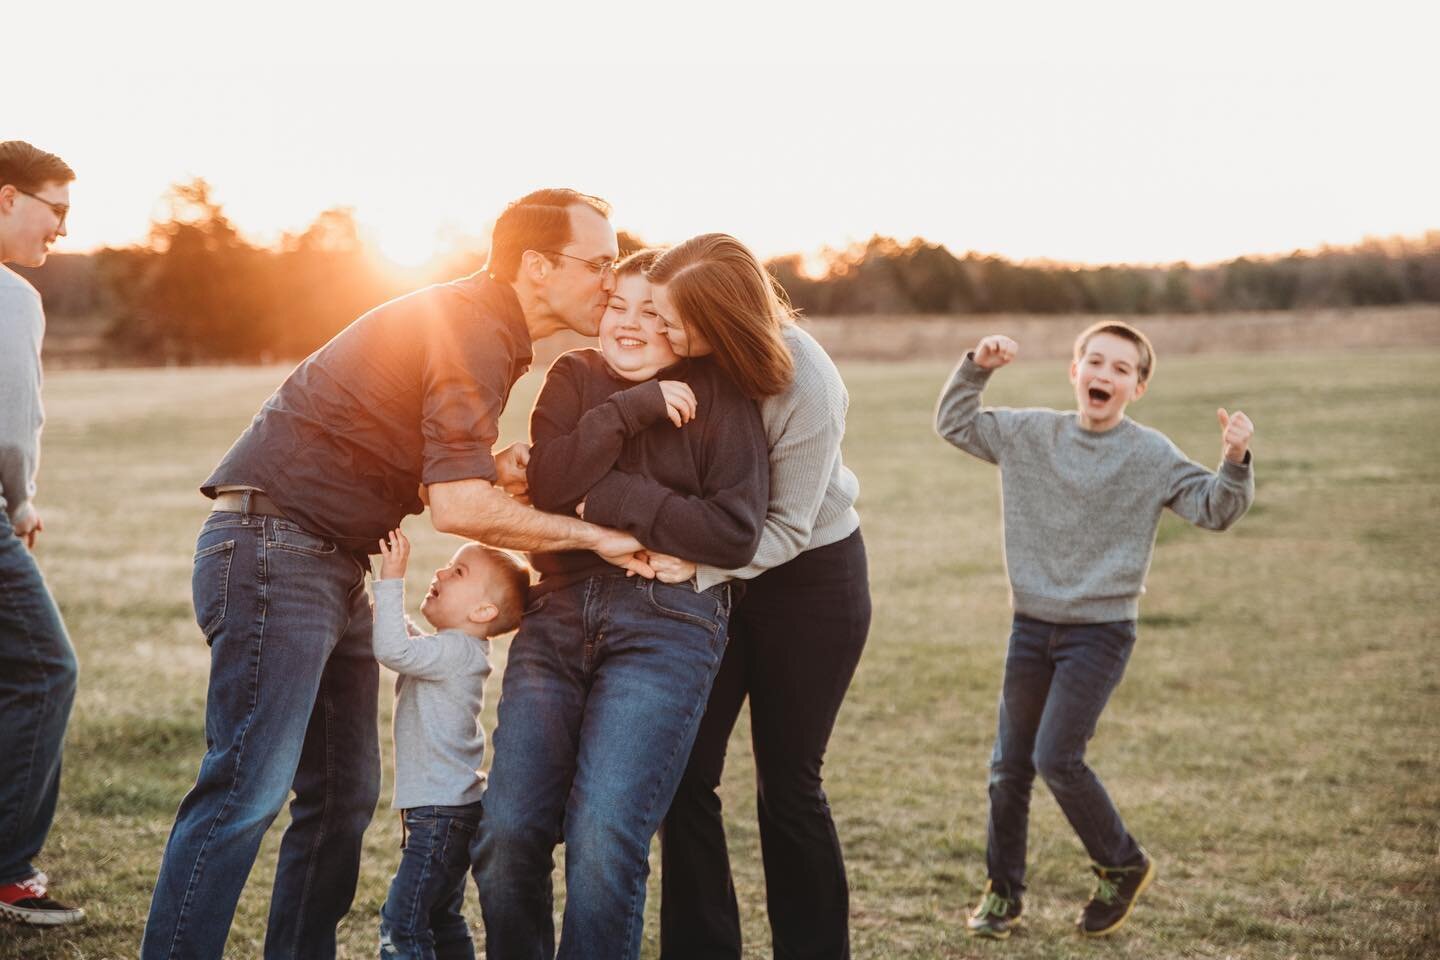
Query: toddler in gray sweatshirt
[[1082, 493], [439, 743]]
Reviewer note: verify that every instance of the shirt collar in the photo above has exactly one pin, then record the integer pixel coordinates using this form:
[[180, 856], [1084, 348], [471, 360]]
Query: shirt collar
[[496, 300]]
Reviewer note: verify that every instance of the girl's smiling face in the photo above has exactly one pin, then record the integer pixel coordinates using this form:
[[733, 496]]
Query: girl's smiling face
[[632, 335]]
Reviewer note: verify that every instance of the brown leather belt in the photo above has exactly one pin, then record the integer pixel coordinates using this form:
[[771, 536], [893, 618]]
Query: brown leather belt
[[233, 501]]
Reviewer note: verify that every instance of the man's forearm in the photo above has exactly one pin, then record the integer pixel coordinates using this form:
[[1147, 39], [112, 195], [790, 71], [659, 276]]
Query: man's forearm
[[477, 510]]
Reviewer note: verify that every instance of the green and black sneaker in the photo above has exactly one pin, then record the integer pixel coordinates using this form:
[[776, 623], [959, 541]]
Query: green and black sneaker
[[1115, 895], [996, 916]]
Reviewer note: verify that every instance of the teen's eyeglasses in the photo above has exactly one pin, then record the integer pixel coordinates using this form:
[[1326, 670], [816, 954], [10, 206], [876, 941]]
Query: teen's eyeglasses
[[604, 268], [61, 210]]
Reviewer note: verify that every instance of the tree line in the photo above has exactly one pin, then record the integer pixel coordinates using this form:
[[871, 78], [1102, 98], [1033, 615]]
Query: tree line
[[197, 291]]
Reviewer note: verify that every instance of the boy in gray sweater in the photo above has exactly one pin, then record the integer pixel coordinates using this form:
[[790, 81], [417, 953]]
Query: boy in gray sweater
[[1082, 495], [439, 744]]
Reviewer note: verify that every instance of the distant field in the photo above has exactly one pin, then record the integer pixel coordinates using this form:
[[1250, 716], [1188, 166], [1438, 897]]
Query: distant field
[[79, 342], [1276, 744]]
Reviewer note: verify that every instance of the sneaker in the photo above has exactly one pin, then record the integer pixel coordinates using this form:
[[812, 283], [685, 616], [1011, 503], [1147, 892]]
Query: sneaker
[[26, 902], [1115, 894], [996, 916]]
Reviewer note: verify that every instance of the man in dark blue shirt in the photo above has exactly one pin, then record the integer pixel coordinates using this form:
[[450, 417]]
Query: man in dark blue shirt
[[403, 401]]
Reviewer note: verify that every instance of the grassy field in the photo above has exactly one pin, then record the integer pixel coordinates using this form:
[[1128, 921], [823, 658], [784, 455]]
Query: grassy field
[[1276, 744]]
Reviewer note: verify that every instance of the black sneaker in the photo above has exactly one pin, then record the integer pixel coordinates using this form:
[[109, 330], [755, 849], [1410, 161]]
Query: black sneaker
[[996, 915], [27, 902], [1115, 894]]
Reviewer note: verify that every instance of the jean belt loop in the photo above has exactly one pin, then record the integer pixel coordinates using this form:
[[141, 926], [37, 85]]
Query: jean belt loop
[[245, 500]]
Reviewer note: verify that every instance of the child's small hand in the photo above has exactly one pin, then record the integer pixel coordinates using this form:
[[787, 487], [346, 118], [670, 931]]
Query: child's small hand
[[995, 351], [1235, 433], [680, 401], [394, 554]]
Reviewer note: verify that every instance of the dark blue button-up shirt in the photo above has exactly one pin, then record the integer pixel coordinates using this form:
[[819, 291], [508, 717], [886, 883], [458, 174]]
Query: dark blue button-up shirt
[[410, 393]]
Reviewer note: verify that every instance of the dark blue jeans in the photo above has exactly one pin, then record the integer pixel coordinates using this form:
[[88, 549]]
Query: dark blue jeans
[[1058, 678], [603, 692], [37, 686], [423, 917], [291, 705]]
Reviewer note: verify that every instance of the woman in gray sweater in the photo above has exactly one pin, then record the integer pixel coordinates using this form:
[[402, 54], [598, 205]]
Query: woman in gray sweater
[[796, 634]]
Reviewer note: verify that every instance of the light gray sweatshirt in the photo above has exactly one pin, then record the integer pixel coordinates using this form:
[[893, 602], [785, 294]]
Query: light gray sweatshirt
[[1080, 507], [439, 690], [812, 493], [22, 328]]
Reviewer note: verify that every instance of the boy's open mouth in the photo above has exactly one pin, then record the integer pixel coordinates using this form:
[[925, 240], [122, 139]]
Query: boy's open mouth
[[630, 342], [1098, 395]]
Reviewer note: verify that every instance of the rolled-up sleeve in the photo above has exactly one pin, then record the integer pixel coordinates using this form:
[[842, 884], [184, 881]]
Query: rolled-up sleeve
[[466, 382]]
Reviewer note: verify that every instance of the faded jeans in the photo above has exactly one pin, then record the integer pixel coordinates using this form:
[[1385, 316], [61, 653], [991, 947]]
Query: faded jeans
[[37, 687], [291, 706], [603, 692], [1058, 678]]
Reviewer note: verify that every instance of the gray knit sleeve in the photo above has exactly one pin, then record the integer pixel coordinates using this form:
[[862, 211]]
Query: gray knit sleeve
[[429, 657], [1214, 501], [22, 325], [805, 425], [959, 418]]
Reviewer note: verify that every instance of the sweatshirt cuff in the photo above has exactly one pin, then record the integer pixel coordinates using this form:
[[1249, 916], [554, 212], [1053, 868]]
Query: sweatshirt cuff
[[390, 588], [1237, 472], [971, 371], [22, 514], [640, 405]]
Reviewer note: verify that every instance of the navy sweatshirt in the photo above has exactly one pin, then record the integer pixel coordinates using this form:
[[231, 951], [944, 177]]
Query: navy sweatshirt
[[699, 492]]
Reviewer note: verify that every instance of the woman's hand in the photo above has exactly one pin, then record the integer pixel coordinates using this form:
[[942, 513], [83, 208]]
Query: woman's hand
[[670, 569], [680, 401], [395, 555]]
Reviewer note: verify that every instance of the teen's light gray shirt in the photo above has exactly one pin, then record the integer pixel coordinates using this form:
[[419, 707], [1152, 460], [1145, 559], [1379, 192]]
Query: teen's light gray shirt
[[812, 493], [1080, 507], [439, 690], [22, 328]]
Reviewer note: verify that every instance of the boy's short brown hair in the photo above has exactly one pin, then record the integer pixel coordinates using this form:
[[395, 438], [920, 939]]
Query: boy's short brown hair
[[1119, 328], [511, 585], [29, 168], [638, 262]]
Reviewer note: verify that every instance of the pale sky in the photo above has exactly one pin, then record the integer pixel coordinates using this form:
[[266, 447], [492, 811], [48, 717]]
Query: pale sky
[[1094, 132]]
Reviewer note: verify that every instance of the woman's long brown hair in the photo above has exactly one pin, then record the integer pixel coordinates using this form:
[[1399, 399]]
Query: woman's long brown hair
[[724, 293]]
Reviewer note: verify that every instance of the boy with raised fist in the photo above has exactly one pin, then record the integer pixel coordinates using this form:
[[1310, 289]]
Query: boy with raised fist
[[1082, 497]]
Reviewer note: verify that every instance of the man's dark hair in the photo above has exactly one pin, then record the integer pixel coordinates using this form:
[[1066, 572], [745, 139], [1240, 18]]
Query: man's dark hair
[[29, 168], [537, 221]]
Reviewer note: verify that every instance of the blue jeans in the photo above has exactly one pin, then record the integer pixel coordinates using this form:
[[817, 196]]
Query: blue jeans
[[1058, 678], [37, 687], [423, 915], [603, 692], [291, 705]]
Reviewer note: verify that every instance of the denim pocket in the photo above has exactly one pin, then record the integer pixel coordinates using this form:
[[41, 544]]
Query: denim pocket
[[287, 536], [681, 602], [210, 586]]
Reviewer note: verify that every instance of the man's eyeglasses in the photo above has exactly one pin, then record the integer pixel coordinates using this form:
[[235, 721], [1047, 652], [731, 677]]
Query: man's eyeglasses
[[61, 210], [605, 268]]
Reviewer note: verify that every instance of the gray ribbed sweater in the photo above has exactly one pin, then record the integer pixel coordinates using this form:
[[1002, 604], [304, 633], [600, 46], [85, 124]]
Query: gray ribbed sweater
[[812, 493], [439, 690], [22, 328], [1080, 507]]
